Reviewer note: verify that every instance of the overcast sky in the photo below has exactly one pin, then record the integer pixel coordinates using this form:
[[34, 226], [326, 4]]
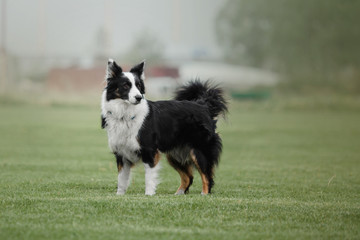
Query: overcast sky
[[68, 28]]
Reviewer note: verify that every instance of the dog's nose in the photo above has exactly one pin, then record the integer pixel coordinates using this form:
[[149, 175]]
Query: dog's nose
[[138, 98]]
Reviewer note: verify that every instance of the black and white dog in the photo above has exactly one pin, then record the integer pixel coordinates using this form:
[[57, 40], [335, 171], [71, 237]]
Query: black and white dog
[[183, 129]]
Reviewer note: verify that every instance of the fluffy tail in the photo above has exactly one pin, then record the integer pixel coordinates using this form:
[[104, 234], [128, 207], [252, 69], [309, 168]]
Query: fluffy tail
[[204, 93]]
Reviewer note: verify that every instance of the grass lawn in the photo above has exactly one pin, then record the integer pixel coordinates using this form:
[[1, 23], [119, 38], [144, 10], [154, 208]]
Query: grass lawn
[[283, 175]]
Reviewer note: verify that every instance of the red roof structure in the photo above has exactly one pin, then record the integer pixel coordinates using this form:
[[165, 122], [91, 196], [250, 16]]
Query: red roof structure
[[92, 79], [76, 79]]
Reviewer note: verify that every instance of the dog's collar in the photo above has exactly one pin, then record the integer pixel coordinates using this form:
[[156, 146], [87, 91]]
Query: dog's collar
[[122, 118]]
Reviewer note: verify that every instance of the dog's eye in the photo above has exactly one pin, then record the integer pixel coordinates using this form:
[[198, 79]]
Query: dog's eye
[[126, 86], [138, 85]]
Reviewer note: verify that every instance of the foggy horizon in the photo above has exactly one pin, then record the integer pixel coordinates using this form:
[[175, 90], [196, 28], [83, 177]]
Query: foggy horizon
[[70, 29]]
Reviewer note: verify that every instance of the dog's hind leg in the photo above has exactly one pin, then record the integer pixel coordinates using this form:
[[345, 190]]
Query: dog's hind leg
[[185, 172], [205, 168], [123, 175]]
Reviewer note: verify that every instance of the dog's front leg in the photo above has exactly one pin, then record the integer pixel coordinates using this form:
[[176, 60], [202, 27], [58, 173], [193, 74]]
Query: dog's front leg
[[123, 177], [152, 166], [151, 178]]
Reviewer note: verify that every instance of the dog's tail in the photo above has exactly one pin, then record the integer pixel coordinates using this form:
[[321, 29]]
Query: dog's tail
[[204, 93]]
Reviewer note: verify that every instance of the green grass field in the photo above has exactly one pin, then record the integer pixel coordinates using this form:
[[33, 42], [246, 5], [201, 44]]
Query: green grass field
[[283, 175]]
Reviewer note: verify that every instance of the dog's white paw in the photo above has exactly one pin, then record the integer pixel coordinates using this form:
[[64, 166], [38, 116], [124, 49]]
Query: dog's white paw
[[150, 193], [180, 192], [120, 192]]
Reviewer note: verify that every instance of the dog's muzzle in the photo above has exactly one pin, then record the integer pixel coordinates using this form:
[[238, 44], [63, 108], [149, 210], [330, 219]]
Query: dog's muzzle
[[138, 99]]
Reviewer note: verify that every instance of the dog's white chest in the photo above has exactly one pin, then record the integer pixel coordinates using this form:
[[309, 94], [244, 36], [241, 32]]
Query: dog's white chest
[[122, 137], [123, 125]]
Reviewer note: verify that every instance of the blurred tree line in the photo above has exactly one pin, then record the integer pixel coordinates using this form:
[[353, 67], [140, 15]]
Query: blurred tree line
[[312, 44]]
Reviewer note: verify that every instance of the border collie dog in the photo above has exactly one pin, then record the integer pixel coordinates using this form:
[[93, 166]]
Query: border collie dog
[[139, 130]]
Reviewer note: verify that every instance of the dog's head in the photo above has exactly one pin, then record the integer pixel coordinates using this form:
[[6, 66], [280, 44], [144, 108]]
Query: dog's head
[[128, 86]]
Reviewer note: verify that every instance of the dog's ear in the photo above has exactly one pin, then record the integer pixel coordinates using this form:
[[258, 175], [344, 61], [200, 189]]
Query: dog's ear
[[112, 69], [139, 70]]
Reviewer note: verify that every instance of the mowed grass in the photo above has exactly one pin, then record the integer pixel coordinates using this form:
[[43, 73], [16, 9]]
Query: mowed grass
[[282, 175]]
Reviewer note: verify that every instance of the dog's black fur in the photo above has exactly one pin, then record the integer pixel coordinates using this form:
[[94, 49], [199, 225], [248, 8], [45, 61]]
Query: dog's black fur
[[185, 123]]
